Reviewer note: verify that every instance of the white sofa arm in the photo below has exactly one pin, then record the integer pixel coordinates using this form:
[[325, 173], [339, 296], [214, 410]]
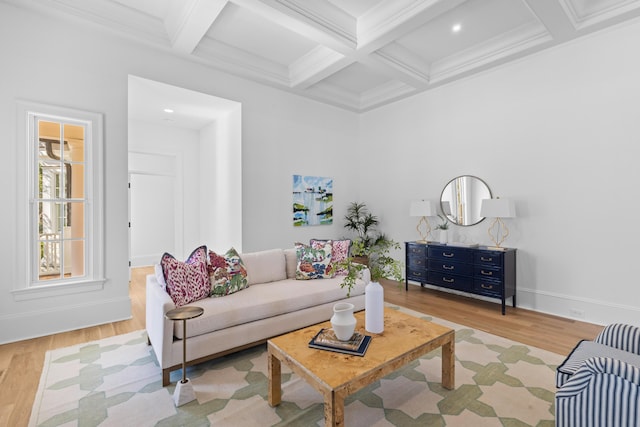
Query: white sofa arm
[[159, 328]]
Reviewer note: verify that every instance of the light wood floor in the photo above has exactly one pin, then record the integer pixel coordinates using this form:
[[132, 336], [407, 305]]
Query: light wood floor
[[21, 362]]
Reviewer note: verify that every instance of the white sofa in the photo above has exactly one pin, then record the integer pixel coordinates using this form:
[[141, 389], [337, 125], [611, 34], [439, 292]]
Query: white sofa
[[273, 304]]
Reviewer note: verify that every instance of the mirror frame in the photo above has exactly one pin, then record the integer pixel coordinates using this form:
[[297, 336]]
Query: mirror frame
[[452, 219]]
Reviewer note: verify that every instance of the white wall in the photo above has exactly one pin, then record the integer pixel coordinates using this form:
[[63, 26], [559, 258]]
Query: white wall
[[557, 132], [58, 62], [221, 177]]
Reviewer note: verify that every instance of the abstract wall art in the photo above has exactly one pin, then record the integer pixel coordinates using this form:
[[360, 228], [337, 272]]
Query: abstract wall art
[[312, 200]]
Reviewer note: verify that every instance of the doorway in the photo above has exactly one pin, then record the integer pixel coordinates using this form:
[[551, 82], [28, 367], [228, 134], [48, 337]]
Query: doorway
[[172, 164]]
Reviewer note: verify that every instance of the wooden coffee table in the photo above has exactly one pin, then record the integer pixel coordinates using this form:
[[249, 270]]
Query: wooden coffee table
[[336, 375]]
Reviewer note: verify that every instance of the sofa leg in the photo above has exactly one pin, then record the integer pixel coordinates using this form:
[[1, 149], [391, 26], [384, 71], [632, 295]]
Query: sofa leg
[[165, 377]]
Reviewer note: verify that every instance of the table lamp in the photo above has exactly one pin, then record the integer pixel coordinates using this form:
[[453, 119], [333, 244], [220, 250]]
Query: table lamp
[[423, 209], [497, 208]]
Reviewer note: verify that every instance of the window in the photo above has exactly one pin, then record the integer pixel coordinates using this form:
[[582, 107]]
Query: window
[[61, 200]]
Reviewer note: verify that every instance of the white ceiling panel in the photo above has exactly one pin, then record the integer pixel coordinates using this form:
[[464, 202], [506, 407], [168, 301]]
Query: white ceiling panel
[[250, 32], [479, 21], [357, 78], [355, 54]]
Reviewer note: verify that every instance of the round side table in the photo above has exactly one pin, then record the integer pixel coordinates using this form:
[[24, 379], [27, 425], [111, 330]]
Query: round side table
[[184, 389]]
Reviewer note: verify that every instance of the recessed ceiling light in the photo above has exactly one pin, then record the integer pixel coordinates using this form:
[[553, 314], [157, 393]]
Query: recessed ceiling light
[[456, 28], [168, 110]]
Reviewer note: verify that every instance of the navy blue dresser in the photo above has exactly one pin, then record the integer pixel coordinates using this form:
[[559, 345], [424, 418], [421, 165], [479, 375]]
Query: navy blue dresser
[[478, 270]]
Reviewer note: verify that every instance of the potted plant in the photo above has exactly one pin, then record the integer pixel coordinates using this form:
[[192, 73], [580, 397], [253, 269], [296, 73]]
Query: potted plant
[[370, 248], [444, 229], [361, 221]]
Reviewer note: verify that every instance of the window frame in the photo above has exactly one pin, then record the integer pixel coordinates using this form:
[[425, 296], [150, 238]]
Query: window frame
[[28, 285]]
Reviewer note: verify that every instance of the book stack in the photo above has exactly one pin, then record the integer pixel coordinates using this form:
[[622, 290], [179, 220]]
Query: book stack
[[326, 340]]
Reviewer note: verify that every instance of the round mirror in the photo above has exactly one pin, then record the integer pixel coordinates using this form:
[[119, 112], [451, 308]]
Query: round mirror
[[461, 198]]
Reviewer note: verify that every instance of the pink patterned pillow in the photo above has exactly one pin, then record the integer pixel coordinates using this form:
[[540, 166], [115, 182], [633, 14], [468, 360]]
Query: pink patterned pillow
[[186, 281], [339, 252]]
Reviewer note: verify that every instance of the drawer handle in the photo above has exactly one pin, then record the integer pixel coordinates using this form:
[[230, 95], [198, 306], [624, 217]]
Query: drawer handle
[[483, 286], [486, 273], [447, 254], [448, 267], [448, 280], [486, 259]]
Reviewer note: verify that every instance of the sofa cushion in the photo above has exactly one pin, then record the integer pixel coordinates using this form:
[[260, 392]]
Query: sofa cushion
[[314, 261], [227, 273], [291, 259], [264, 300], [265, 266], [186, 281]]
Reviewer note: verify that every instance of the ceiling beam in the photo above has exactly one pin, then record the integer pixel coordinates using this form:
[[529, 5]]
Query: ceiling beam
[[187, 22], [554, 17]]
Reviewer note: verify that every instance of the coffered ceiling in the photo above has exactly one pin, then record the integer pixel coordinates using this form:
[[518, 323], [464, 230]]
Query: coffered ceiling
[[355, 54]]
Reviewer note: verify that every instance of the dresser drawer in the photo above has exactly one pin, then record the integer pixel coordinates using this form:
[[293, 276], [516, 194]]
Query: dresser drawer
[[461, 283], [450, 267], [487, 272], [415, 250], [487, 287], [489, 258], [451, 253], [417, 275], [417, 262]]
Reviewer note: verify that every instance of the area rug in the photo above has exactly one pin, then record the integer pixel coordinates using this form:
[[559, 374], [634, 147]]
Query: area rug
[[117, 382]]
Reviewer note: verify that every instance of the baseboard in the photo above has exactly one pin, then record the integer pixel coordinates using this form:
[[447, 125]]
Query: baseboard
[[34, 324], [577, 308], [567, 306]]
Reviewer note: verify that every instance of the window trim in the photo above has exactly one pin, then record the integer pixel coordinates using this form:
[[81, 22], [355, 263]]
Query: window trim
[[25, 286]]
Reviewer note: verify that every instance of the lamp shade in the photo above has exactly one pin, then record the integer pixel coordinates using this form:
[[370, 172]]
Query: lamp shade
[[497, 208], [422, 208]]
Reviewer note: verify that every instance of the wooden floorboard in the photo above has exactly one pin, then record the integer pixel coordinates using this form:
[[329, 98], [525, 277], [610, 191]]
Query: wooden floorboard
[[21, 362]]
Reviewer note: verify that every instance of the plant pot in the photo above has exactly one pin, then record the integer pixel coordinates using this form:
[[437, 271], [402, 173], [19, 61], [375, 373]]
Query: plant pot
[[444, 236], [364, 260], [343, 322], [374, 308]]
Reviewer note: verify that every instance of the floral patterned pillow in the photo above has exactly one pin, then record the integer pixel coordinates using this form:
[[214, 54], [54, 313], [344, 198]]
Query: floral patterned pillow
[[314, 261], [187, 281], [227, 273], [339, 252]]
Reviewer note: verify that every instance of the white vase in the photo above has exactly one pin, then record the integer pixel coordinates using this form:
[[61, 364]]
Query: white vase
[[343, 322], [374, 308], [444, 236]]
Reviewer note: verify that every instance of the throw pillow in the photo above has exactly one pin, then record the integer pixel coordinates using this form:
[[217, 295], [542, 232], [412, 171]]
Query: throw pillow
[[227, 273], [339, 252], [314, 261], [187, 281]]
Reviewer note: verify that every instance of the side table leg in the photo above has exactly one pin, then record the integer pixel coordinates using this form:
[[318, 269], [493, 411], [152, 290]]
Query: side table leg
[[448, 364], [275, 380]]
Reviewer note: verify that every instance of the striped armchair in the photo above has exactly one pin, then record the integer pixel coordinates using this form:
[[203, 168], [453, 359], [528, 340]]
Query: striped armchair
[[602, 392], [616, 341]]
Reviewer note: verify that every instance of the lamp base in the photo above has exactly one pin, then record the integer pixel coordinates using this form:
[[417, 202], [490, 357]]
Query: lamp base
[[183, 393]]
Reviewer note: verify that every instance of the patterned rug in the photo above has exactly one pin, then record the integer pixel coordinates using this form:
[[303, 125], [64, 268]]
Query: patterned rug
[[117, 382]]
